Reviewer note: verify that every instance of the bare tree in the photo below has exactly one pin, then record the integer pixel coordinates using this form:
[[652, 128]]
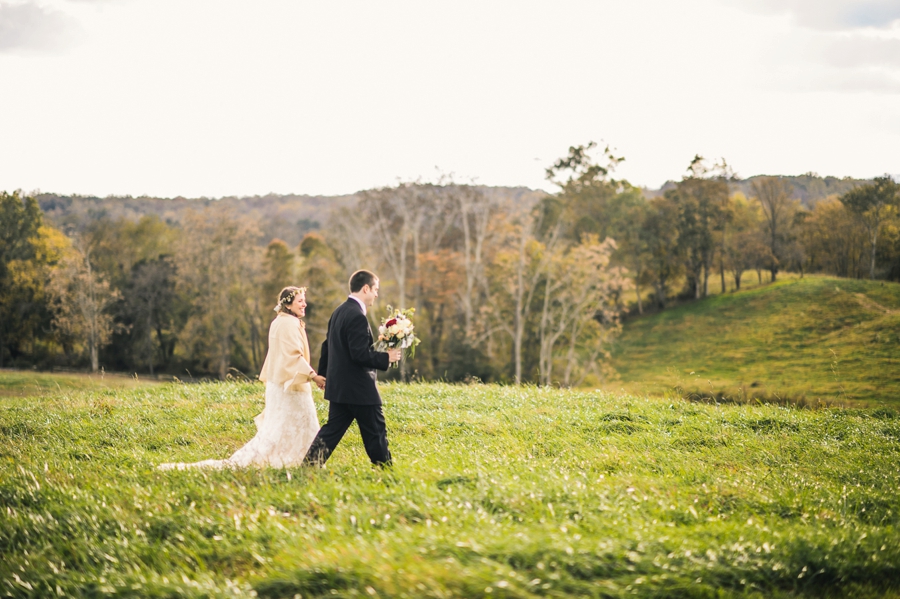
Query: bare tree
[[322, 272], [553, 322], [218, 271], [526, 284], [581, 309], [660, 232], [475, 211], [747, 250], [524, 267], [393, 213], [348, 233], [874, 204], [513, 280], [835, 241], [430, 229], [596, 289], [82, 297], [631, 239], [774, 196], [149, 303]]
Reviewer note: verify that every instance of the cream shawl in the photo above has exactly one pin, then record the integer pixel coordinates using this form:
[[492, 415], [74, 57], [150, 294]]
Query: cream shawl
[[287, 361]]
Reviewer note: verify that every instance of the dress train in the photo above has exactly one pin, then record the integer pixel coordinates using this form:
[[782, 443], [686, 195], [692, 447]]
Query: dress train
[[285, 430]]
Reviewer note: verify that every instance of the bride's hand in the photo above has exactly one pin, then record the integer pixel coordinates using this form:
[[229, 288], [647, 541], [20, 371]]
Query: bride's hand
[[319, 380]]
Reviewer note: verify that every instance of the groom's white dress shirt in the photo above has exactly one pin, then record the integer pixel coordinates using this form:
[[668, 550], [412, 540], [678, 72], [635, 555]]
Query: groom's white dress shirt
[[360, 302]]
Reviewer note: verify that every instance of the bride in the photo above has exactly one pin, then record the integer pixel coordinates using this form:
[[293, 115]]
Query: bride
[[288, 424]]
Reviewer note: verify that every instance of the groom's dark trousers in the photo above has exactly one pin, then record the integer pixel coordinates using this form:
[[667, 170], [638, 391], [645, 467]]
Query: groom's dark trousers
[[348, 363]]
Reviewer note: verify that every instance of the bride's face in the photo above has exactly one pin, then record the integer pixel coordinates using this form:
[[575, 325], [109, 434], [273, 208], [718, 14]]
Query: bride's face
[[298, 306]]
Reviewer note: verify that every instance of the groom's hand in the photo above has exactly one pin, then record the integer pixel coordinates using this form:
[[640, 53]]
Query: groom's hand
[[394, 355], [319, 380]]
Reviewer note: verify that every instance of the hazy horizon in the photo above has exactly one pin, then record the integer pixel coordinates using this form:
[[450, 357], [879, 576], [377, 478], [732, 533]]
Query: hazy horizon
[[336, 195]]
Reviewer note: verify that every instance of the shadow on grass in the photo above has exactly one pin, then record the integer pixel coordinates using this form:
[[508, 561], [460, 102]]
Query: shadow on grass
[[745, 396]]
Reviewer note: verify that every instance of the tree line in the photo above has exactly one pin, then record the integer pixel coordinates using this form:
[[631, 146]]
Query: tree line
[[505, 289]]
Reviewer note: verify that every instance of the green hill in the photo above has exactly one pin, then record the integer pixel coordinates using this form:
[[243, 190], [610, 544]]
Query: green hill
[[804, 340]]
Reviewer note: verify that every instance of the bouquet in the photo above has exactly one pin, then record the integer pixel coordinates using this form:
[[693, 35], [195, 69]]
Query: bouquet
[[397, 330]]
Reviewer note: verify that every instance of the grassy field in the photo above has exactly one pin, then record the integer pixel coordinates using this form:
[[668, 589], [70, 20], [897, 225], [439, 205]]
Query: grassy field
[[22, 383], [804, 340], [496, 492]]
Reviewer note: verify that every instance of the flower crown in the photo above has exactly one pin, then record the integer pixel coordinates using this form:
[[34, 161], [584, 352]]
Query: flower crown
[[288, 299]]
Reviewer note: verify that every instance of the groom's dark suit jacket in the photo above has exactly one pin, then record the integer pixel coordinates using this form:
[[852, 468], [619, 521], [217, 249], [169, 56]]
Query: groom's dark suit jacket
[[348, 360]]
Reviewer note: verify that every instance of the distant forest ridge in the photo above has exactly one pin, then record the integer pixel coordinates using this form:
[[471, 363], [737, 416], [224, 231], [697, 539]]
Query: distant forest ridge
[[809, 188], [286, 217], [289, 217]]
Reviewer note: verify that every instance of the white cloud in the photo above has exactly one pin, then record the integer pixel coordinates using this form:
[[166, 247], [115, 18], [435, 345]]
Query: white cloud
[[855, 81], [29, 27], [832, 45], [861, 51], [852, 62], [829, 15]]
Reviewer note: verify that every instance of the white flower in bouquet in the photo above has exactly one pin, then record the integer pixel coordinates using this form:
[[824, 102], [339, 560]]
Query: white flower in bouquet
[[397, 330]]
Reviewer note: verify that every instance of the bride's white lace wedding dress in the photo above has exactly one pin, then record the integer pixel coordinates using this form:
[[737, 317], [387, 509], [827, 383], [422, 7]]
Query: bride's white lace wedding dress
[[288, 424]]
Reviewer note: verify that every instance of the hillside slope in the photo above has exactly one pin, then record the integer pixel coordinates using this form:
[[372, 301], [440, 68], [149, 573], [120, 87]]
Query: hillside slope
[[810, 339]]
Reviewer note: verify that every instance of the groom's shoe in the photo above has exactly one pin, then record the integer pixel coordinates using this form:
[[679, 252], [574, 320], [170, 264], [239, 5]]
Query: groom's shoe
[[317, 455]]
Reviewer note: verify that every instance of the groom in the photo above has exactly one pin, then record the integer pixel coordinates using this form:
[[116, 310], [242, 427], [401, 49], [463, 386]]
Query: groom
[[349, 363]]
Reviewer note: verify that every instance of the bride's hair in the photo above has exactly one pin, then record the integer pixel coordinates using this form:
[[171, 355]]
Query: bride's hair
[[286, 298]]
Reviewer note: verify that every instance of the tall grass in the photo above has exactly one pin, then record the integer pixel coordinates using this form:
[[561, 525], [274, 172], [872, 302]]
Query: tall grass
[[497, 492], [22, 383]]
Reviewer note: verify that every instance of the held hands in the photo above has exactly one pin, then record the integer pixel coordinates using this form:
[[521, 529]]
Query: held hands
[[319, 380], [394, 355]]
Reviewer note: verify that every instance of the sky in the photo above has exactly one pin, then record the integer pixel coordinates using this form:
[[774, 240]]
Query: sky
[[223, 97]]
